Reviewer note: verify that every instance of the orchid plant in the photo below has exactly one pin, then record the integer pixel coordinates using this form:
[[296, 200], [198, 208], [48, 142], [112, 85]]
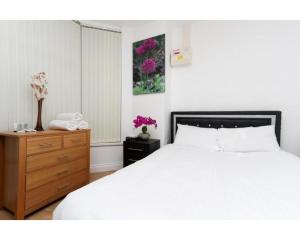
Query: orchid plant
[[39, 85], [144, 122]]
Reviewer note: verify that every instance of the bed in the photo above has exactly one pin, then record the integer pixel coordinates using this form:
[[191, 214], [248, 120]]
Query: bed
[[185, 182]]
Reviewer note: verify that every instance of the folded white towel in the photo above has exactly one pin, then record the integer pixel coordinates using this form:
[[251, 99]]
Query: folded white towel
[[82, 125], [63, 125], [69, 116]]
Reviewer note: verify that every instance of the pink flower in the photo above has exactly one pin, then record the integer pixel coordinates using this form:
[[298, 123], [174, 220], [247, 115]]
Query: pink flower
[[146, 46], [149, 44], [148, 66], [140, 120], [140, 50]]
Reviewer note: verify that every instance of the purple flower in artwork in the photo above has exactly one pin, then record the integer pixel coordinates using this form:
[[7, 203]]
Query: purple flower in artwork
[[148, 66], [149, 44], [140, 50], [147, 121]]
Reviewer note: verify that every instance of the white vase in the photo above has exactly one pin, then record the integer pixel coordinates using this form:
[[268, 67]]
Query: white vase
[[144, 136]]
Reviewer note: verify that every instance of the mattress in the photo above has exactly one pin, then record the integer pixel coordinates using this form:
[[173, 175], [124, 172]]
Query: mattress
[[178, 182]]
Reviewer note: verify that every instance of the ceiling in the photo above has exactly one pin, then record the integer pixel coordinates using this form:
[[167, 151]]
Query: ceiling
[[125, 23], [116, 24]]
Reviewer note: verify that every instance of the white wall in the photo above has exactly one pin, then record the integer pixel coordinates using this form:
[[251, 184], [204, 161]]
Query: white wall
[[154, 105], [243, 65], [106, 158], [237, 65], [28, 47]]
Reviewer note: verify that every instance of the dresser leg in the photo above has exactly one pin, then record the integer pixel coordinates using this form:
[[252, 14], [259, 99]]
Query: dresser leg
[[20, 215], [20, 212], [1, 171]]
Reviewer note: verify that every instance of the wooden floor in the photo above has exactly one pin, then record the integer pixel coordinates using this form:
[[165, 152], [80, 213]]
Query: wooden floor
[[46, 212]]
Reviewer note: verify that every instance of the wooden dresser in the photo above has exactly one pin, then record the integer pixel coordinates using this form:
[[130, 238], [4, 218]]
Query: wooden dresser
[[38, 168]]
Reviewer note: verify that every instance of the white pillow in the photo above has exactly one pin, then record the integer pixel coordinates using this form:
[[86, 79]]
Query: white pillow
[[197, 137], [249, 139]]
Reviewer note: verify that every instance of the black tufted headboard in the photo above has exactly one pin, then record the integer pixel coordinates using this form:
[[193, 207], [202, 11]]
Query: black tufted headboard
[[226, 119]]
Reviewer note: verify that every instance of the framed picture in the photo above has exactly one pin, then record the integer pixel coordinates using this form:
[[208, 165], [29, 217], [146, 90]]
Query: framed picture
[[149, 65]]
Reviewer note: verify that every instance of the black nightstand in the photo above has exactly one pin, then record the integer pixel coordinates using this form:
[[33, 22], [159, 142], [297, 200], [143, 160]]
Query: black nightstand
[[134, 150]]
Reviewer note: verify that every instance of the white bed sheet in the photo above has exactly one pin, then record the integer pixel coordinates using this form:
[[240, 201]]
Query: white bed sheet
[[179, 182]]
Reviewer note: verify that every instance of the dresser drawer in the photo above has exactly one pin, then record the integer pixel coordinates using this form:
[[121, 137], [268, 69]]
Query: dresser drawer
[[43, 176], [49, 192], [43, 144], [45, 160], [71, 140]]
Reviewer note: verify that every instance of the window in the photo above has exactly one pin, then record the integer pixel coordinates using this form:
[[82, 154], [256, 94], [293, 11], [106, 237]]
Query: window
[[101, 83]]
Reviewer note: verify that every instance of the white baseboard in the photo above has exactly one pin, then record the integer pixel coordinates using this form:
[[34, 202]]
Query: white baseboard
[[105, 167]]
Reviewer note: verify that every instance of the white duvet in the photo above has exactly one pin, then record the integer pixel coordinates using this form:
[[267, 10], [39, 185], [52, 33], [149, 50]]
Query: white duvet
[[179, 182]]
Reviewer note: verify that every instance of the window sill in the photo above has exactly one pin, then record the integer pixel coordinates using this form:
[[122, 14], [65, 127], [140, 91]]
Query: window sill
[[106, 144]]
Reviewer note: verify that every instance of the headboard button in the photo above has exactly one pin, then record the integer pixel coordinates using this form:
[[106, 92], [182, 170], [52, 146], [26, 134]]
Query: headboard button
[[221, 125], [235, 126], [209, 125]]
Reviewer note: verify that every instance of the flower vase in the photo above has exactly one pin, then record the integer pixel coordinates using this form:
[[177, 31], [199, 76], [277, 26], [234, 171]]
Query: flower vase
[[39, 126], [144, 135]]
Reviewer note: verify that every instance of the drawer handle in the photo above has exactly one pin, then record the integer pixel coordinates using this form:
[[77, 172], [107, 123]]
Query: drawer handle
[[75, 140], [63, 158], [62, 172], [45, 145], [131, 160], [62, 187], [135, 149]]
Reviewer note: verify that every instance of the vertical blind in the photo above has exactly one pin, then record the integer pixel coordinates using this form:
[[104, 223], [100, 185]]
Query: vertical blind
[[101, 83]]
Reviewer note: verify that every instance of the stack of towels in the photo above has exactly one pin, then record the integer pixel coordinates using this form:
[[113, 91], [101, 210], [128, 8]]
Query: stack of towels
[[68, 121]]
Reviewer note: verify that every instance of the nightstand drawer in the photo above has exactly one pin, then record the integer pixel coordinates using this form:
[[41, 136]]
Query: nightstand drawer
[[129, 161], [138, 149], [134, 155], [135, 147]]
